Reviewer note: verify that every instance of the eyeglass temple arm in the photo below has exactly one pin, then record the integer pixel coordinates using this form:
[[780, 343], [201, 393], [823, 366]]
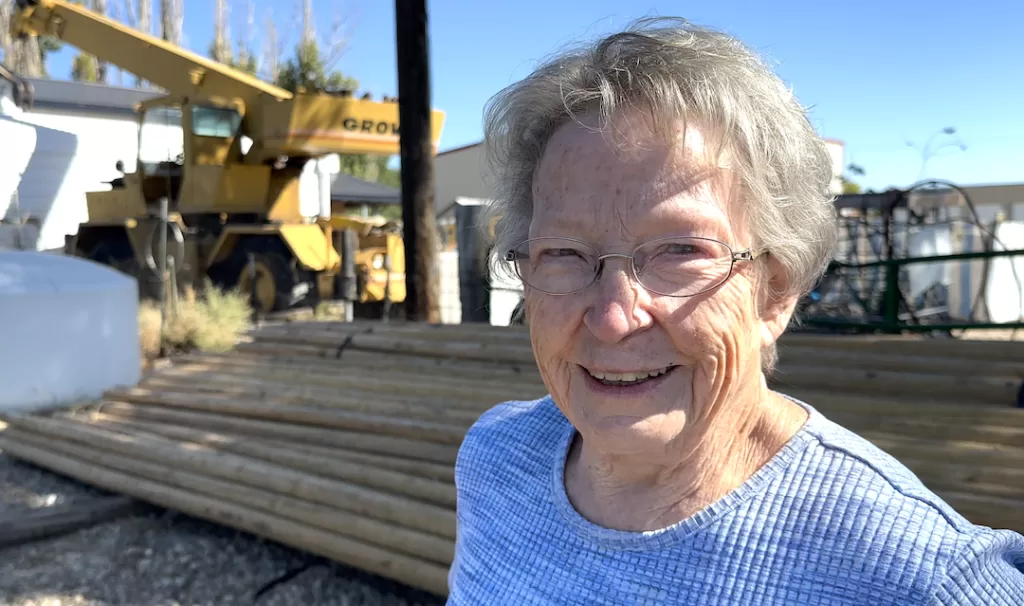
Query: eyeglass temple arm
[[747, 255]]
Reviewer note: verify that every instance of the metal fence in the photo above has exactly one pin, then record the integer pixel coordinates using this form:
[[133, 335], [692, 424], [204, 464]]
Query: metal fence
[[920, 262]]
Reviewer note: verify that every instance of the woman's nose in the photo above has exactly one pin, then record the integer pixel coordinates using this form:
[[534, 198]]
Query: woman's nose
[[619, 303]]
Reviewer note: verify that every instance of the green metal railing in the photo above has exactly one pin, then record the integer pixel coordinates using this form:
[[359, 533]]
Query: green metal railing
[[889, 315]]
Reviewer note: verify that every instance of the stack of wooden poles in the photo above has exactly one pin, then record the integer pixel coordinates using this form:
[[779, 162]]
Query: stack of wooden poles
[[340, 439]]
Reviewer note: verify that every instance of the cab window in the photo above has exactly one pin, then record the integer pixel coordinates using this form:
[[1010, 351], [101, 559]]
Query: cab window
[[215, 122]]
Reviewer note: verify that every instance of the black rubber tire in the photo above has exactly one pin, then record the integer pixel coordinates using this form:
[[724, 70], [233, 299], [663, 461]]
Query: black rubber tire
[[374, 310], [281, 264]]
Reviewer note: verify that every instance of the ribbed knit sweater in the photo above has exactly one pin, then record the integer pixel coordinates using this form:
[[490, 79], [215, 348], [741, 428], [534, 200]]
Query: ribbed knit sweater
[[829, 520]]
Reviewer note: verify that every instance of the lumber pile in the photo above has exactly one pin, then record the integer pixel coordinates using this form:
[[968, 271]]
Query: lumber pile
[[341, 439]]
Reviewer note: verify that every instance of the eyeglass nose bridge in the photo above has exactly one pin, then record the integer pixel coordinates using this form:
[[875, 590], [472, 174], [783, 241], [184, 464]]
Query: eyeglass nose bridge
[[600, 265]]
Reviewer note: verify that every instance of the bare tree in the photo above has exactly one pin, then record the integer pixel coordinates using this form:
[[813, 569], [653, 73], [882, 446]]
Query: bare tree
[[171, 19], [131, 16], [117, 11], [271, 50], [100, 6], [308, 33], [145, 16], [327, 48], [24, 56], [6, 43], [245, 58], [142, 20], [220, 50]]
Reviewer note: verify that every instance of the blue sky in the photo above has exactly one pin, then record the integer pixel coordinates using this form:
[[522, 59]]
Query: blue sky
[[874, 73]]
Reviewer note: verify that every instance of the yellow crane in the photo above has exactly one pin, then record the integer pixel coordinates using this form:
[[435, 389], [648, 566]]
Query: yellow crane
[[234, 190]]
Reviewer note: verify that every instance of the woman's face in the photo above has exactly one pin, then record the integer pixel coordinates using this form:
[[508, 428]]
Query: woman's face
[[705, 350]]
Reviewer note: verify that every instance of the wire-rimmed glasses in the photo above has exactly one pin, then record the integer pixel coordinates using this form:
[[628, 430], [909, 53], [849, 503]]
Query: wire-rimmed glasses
[[675, 266]]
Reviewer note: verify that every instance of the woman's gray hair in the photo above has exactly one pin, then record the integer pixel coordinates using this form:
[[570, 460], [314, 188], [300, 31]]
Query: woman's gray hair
[[674, 71]]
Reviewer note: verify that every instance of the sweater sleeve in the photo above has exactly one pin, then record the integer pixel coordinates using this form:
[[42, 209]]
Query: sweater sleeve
[[989, 570]]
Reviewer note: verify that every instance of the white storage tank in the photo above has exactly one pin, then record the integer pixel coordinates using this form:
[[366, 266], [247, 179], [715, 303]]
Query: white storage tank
[[68, 330], [19, 142]]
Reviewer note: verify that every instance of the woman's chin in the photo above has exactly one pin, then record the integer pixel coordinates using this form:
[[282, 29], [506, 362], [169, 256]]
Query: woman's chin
[[625, 434]]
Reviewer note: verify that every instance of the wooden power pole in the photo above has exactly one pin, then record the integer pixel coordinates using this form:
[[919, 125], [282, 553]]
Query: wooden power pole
[[422, 297]]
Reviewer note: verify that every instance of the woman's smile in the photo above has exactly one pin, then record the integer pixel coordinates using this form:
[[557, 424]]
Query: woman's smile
[[626, 383]]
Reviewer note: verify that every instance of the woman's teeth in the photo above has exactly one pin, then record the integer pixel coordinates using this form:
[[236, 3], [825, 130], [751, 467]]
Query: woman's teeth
[[628, 378]]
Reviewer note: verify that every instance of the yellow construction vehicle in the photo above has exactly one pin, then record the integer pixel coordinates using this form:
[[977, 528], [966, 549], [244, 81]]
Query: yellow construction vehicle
[[379, 261], [234, 189]]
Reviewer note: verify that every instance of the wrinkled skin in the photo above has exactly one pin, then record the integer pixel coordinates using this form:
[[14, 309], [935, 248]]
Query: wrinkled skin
[[646, 461]]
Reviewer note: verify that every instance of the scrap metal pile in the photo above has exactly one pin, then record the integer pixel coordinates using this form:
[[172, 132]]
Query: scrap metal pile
[[340, 439]]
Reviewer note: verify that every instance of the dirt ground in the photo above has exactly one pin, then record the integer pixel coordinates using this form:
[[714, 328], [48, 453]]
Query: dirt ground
[[161, 558]]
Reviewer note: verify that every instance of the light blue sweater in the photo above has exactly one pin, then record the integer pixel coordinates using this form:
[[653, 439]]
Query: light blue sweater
[[830, 520]]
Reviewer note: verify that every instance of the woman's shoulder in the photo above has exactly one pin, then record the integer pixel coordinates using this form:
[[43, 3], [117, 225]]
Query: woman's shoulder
[[518, 420], [852, 468], [901, 519], [903, 528], [519, 433]]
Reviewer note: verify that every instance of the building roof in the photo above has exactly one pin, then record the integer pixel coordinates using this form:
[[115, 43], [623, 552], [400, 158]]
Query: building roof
[[347, 188], [461, 148], [85, 96], [980, 195]]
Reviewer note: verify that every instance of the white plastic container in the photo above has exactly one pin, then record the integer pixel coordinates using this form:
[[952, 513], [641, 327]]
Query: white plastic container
[[68, 330]]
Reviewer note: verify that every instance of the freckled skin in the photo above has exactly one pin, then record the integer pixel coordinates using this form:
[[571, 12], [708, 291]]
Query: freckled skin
[[647, 462]]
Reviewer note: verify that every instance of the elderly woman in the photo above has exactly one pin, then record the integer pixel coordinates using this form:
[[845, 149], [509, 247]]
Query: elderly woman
[[665, 202]]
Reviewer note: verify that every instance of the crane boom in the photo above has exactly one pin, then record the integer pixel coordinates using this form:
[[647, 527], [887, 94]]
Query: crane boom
[[177, 70], [279, 122]]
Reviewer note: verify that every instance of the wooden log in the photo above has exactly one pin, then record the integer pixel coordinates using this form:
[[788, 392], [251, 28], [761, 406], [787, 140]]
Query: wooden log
[[975, 454], [478, 375], [412, 571], [361, 442], [375, 363], [947, 475], [17, 528], [925, 429], [431, 383], [318, 357], [947, 412], [427, 347], [973, 389], [389, 536], [1004, 351], [274, 410], [437, 332], [364, 474], [987, 510], [282, 480], [395, 384], [867, 360], [241, 388], [421, 469]]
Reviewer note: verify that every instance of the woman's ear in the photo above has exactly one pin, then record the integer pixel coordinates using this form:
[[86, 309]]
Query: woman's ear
[[776, 303]]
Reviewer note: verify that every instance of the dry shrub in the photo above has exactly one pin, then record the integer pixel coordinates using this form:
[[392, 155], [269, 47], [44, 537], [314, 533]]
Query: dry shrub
[[149, 329], [211, 321], [223, 316]]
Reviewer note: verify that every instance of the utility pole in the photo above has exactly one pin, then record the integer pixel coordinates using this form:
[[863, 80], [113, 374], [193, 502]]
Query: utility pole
[[422, 298]]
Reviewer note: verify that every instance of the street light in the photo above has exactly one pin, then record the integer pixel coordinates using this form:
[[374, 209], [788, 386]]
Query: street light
[[927, 151]]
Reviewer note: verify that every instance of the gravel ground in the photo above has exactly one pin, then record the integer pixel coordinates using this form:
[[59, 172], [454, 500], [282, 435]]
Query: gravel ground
[[162, 558]]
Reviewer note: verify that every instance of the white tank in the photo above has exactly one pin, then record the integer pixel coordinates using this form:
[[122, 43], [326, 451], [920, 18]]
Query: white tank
[[19, 143], [68, 330]]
